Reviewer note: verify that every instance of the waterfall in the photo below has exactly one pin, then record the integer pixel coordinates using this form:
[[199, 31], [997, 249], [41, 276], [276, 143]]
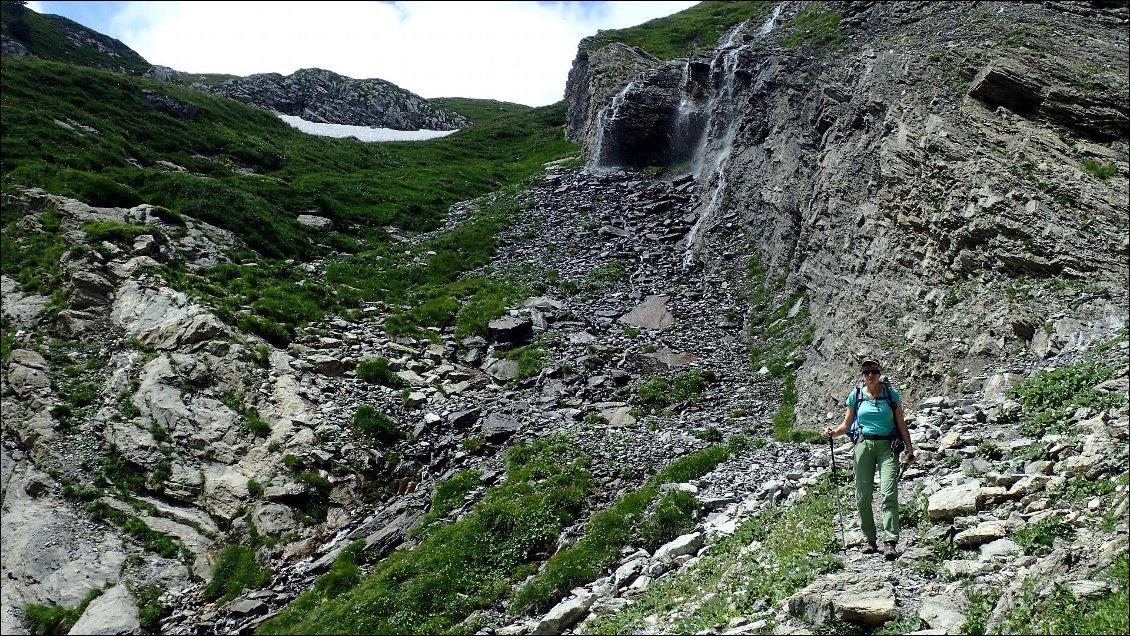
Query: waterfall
[[722, 126], [608, 115], [771, 22]]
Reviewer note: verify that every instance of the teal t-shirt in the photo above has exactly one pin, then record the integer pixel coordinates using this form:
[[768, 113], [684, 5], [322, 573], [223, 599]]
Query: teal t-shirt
[[874, 414]]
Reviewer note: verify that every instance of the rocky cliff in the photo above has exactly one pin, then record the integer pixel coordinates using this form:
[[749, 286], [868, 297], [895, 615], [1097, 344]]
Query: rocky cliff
[[322, 96], [947, 185]]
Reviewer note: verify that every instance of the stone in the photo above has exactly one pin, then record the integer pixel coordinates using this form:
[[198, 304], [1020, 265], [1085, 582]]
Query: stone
[[954, 501], [945, 612], [565, 614], [511, 330], [862, 600], [687, 544], [1000, 549], [497, 428], [115, 611], [982, 533], [651, 314], [320, 223]]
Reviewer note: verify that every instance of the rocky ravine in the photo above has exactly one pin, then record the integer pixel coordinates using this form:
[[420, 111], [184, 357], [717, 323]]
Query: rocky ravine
[[643, 276], [307, 393]]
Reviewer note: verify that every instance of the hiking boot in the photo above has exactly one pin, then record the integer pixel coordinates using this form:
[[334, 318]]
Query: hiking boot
[[890, 551], [869, 548]]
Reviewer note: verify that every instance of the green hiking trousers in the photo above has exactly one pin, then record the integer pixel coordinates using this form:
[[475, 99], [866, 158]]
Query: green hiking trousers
[[873, 456]]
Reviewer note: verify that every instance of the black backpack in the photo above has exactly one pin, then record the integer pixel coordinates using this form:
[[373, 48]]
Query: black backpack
[[855, 432]]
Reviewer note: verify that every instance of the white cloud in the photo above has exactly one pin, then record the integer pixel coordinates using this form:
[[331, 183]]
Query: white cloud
[[511, 51]]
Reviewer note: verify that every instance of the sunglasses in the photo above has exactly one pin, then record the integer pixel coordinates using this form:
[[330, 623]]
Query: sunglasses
[[870, 372]]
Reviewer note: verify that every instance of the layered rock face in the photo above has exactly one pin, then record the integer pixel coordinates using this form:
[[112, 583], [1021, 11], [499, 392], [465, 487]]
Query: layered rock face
[[948, 188], [325, 97]]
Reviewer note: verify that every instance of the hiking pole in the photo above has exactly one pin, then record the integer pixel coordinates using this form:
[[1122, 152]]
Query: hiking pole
[[836, 491]]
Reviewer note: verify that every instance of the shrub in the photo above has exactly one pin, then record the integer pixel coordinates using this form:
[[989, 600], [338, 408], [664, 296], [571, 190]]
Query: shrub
[[44, 619], [1100, 170], [375, 427], [377, 371], [673, 515], [236, 570], [1042, 534]]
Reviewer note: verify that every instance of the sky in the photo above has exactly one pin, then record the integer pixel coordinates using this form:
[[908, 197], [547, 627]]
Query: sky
[[517, 52]]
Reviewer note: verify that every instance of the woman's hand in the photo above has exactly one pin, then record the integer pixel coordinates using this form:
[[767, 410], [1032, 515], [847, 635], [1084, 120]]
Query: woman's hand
[[910, 458], [830, 432]]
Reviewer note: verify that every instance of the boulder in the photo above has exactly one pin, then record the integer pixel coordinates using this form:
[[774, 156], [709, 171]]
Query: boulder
[[687, 544], [854, 598], [564, 614], [115, 611], [498, 428], [650, 314], [954, 501]]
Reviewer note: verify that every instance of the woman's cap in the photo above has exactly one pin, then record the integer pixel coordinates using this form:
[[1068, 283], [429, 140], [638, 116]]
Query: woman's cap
[[870, 363]]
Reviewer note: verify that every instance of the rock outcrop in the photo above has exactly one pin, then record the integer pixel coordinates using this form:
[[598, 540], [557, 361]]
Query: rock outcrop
[[322, 96], [915, 195]]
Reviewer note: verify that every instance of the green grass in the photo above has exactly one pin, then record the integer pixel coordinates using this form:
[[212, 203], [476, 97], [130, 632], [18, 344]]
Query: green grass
[[1101, 171], [1037, 537], [1058, 611], [45, 36], [56, 619], [662, 391], [607, 532], [814, 25], [236, 570], [797, 544], [32, 258], [449, 496], [458, 567], [375, 427], [779, 347], [689, 31], [361, 187], [377, 371], [1049, 397]]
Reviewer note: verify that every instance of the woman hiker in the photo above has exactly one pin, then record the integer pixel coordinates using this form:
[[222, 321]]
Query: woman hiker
[[878, 407]]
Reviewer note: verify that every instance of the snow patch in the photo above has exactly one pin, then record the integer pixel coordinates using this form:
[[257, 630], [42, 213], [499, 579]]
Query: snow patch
[[362, 133]]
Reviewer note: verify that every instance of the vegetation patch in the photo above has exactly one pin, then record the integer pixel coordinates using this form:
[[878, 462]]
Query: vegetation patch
[[815, 25], [56, 619], [458, 567], [663, 391], [1037, 537], [769, 557], [1050, 397], [32, 258], [236, 570], [133, 526], [378, 371], [607, 532], [449, 496], [1039, 610], [685, 33], [778, 345], [375, 427]]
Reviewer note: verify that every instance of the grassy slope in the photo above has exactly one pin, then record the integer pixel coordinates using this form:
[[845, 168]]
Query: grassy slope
[[695, 29], [361, 186], [45, 36]]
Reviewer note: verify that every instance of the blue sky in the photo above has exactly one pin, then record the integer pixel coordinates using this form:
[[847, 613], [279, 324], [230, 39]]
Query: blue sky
[[510, 51]]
